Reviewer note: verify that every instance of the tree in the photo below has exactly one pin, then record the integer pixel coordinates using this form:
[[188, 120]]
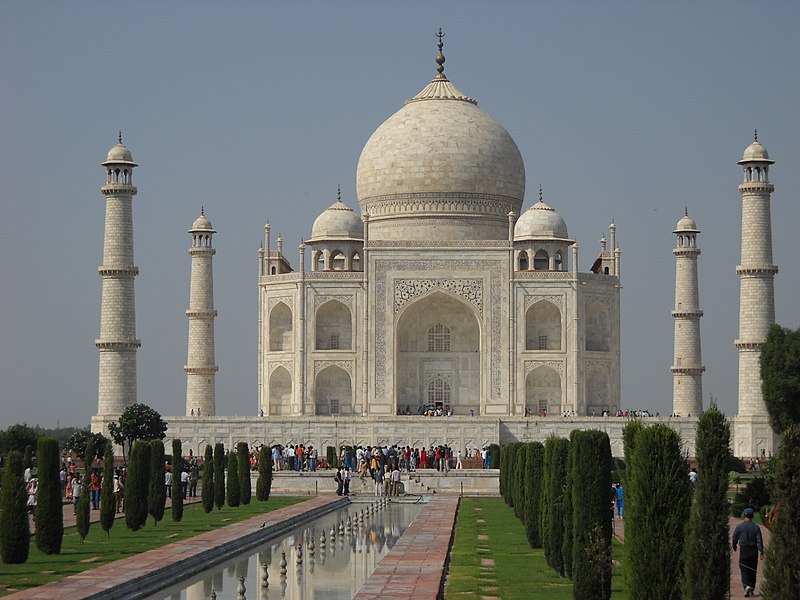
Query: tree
[[591, 519], [157, 494], [137, 422], [520, 458], [234, 491], [83, 510], [219, 475], [207, 489], [566, 547], [629, 433], [177, 487], [136, 485], [657, 500], [49, 512], [781, 568], [780, 377], [245, 488], [108, 502], [556, 483], [264, 482], [707, 554], [78, 441], [15, 528], [17, 437], [534, 471]]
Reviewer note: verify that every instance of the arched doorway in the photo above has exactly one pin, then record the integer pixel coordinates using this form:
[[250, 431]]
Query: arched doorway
[[333, 392], [543, 391]]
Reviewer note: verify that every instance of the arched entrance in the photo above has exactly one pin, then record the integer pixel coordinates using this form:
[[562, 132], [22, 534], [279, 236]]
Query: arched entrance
[[438, 358]]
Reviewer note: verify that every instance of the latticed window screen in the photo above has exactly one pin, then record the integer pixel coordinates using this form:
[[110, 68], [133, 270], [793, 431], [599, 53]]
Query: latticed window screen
[[334, 406], [335, 341], [542, 405], [542, 342], [438, 391], [438, 338]]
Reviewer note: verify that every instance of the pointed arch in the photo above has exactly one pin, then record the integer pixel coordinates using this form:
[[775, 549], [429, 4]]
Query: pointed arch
[[334, 328], [280, 392], [541, 260], [333, 392], [543, 326], [280, 328], [543, 391]]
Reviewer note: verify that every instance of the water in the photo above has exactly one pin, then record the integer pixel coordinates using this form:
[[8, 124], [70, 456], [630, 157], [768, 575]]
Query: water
[[335, 571]]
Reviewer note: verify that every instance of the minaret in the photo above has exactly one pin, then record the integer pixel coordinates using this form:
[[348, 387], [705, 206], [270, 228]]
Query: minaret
[[756, 273], [687, 372], [117, 343], [200, 368]]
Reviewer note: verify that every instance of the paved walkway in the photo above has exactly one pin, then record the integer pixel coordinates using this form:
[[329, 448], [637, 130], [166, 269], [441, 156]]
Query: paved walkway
[[188, 556], [415, 568], [737, 591]]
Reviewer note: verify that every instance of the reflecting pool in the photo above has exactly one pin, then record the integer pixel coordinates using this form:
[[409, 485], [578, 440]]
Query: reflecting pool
[[326, 559]]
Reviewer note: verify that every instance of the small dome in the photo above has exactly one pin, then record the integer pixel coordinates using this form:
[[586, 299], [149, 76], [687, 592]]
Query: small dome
[[686, 225], [756, 152], [540, 221], [119, 154], [338, 221], [202, 223]]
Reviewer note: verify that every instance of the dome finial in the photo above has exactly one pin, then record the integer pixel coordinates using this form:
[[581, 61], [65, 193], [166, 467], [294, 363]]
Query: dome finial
[[439, 56], [338, 192], [685, 211], [119, 136], [755, 135], [540, 193], [202, 211]]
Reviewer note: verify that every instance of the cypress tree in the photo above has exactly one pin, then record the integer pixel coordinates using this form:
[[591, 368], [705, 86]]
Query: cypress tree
[[511, 470], [629, 433], [136, 485], [557, 496], [545, 499], [83, 513], [566, 546], [521, 460], [707, 555], [591, 520], [157, 495], [245, 488], [207, 489], [219, 475], [534, 467], [657, 501], [234, 492], [177, 488], [781, 568], [49, 511], [15, 528], [503, 473], [264, 482], [108, 502]]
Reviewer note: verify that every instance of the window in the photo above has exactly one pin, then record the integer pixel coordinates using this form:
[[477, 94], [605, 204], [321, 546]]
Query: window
[[335, 341], [439, 338], [438, 392], [542, 342], [334, 406]]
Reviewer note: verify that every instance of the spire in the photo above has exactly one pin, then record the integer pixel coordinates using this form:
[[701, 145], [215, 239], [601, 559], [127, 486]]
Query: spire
[[685, 211], [338, 192], [202, 211], [540, 193], [119, 136], [755, 135], [439, 56]]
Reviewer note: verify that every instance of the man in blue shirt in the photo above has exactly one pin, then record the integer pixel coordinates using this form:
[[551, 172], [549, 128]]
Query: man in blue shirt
[[748, 535]]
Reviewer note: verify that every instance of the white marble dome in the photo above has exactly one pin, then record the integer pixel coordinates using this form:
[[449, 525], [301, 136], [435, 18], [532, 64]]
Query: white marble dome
[[443, 163], [119, 154], [540, 221], [756, 152], [202, 223], [338, 221], [686, 224]]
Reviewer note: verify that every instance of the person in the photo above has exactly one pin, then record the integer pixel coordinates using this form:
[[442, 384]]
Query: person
[[348, 476], [377, 476], [168, 483], [693, 477], [339, 481], [395, 491], [194, 475], [95, 487], [620, 503], [32, 489], [184, 484], [459, 465], [76, 493], [748, 535], [119, 489]]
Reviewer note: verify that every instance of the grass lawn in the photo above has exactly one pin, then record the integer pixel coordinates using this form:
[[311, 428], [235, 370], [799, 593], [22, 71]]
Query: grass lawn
[[98, 550], [487, 531]]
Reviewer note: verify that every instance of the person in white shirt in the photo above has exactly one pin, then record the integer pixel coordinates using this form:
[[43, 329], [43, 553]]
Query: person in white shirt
[[458, 460]]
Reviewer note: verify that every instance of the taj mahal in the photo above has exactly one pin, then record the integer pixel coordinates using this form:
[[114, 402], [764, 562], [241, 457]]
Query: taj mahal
[[439, 292]]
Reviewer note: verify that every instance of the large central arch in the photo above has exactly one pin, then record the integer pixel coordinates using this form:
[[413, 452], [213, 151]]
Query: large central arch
[[438, 345]]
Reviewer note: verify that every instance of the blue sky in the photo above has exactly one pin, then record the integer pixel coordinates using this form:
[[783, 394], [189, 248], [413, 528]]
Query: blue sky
[[623, 111]]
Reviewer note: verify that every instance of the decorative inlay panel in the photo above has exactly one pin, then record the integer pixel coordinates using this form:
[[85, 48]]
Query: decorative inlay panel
[[406, 290], [346, 300], [556, 365], [274, 364], [595, 364], [557, 300], [273, 300], [448, 377], [590, 299], [347, 365]]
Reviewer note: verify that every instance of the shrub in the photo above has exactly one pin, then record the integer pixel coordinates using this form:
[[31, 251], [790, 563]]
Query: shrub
[[591, 522], [245, 490], [177, 487], [207, 489], [755, 493], [136, 485], [556, 482], [219, 475], [657, 500], [234, 491], [108, 503], [534, 467], [494, 456], [15, 529], [49, 511], [264, 483], [157, 496], [83, 510]]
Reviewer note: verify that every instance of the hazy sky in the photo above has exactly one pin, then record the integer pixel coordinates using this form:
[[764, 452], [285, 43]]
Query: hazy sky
[[623, 111]]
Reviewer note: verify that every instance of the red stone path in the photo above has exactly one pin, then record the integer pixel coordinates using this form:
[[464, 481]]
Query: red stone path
[[188, 556], [737, 591], [414, 569]]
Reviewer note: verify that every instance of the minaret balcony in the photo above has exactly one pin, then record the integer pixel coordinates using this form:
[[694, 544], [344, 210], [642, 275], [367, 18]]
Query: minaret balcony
[[204, 370], [688, 370], [748, 345], [689, 314], [755, 187], [756, 271], [201, 314], [111, 345], [126, 271], [689, 251], [118, 189]]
